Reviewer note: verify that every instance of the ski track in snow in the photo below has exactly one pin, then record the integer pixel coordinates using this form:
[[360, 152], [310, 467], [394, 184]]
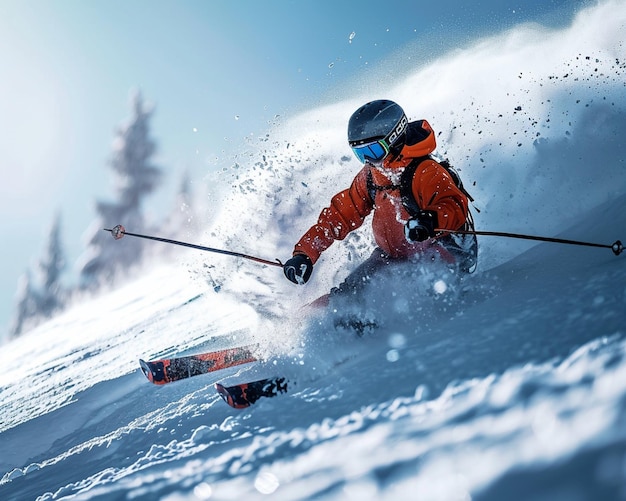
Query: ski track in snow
[[509, 385]]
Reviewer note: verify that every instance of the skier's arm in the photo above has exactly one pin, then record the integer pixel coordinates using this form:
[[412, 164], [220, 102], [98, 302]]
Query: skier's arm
[[347, 211], [435, 191]]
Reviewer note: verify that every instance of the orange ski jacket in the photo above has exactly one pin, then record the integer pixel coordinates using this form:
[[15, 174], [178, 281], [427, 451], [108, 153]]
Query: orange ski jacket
[[433, 189]]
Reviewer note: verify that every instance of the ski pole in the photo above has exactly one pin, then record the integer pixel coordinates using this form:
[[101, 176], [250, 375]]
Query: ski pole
[[119, 231], [616, 247]]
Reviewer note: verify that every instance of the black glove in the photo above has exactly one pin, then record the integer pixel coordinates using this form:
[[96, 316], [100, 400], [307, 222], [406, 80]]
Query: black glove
[[422, 227], [298, 269]]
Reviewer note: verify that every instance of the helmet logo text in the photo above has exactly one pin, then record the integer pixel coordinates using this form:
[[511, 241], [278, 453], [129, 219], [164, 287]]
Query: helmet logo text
[[398, 130]]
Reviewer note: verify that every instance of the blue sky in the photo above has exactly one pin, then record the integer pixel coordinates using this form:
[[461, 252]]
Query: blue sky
[[216, 71]]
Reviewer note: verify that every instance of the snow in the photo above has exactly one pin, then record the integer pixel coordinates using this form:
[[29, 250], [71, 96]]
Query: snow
[[510, 384]]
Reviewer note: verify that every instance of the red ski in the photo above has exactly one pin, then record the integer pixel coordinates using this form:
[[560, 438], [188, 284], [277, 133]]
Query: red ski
[[244, 395], [174, 369]]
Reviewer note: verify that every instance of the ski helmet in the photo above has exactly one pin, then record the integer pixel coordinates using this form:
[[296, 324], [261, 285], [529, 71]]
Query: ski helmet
[[376, 129]]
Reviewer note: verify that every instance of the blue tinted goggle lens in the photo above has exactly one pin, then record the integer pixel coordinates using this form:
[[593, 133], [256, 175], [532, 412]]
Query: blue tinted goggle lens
[[373, 152]]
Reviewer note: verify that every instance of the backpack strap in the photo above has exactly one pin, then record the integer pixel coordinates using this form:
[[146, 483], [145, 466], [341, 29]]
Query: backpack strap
[[406, 186], [372, 187]]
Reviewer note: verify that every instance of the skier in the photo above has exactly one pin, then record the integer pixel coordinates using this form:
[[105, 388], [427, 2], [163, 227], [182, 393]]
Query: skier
[[410, 194]]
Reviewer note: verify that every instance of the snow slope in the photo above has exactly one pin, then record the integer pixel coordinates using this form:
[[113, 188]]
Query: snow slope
[[511, 385]]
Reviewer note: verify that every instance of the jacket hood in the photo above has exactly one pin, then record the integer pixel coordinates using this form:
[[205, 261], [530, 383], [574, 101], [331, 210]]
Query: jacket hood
[[420, 141]]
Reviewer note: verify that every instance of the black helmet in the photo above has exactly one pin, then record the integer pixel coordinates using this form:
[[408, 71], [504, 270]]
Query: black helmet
[[375, 129]]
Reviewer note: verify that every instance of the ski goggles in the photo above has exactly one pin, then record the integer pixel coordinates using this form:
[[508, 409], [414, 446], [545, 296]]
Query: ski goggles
[[373, 152]]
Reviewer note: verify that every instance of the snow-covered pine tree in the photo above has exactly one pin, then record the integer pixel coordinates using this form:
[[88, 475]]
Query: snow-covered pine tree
[[26, 308], [38, 300], [135, 178], [51, 267]]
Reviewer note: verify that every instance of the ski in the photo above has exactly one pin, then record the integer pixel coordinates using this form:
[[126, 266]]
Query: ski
[[243, 395], [174, 369]]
